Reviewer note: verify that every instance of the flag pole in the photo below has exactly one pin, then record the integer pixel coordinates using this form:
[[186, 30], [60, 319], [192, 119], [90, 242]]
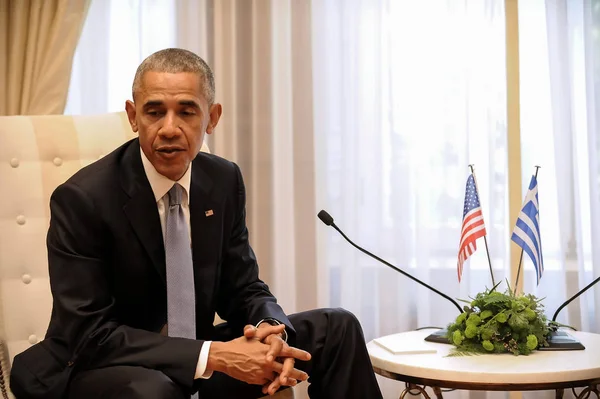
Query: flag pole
[[537, 167], [487, 250]]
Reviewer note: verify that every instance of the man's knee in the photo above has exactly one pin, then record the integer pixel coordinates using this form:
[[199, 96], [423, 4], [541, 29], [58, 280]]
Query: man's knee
[[342, 325], [156, 386], [340, 317], [329, 318]]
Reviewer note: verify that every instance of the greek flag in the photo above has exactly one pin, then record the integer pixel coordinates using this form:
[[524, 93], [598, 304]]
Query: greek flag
[[527, 230]]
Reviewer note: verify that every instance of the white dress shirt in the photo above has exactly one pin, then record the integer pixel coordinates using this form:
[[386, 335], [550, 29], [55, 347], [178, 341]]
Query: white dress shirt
[[161, 186]]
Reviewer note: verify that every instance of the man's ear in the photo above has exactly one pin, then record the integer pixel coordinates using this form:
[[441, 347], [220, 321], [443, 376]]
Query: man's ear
[[215, 114], [130, 109]]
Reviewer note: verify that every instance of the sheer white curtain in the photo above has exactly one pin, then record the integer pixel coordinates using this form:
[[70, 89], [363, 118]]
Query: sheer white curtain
[[409, 94], [560, 88], [116, 37]]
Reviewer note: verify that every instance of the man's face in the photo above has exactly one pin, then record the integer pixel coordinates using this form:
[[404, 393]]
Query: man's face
[[171, 115]]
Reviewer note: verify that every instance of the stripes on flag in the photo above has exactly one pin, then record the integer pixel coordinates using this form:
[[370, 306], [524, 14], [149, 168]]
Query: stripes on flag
[[473, 226], [527, 230]]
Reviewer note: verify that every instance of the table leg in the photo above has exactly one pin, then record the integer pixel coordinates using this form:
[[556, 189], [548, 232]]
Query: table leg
[[438, 392], [559, 393], [415, 390]]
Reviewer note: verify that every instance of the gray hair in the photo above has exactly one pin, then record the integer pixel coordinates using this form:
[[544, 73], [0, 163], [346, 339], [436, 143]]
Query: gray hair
[[176, 60]]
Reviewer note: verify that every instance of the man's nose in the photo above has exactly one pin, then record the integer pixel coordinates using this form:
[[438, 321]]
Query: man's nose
[[170, 126]]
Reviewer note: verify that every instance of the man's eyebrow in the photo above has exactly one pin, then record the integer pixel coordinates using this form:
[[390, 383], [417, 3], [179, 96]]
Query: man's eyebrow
[[153, 103], [189, 103], [158, 103]]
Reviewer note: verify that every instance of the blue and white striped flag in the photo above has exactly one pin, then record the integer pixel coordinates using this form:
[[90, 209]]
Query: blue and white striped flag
[[527, 230]]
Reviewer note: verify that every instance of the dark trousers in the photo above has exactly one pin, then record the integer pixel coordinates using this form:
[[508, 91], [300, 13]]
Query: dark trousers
[[339, 368]]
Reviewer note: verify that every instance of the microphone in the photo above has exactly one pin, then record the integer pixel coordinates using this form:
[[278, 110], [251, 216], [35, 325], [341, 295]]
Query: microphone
[[328, 220], [560, 340], [568, 301]]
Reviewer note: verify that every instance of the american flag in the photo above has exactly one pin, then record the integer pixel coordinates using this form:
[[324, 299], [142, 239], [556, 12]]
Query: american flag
[[473, 226], [527, 229]]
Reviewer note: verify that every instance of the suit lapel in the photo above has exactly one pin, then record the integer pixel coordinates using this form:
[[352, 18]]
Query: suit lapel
[[141, 209], [205, 219]]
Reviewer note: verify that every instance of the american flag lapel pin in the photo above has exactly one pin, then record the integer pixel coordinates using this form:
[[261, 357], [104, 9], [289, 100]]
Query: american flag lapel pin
[[209, 213]]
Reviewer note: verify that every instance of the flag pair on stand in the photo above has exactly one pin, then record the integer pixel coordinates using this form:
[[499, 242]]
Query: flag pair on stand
[[526, 233]]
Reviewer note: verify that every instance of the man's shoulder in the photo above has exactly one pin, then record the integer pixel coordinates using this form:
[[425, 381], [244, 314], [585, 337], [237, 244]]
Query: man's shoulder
[[208, 160], [103, 174], [215, 166], [217, 174]]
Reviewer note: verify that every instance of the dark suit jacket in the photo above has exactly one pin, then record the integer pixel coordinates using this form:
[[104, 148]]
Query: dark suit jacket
[[107, 273]]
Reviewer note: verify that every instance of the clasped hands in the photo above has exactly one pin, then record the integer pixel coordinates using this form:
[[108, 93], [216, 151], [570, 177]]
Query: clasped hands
[[280, 357], [259, 357]]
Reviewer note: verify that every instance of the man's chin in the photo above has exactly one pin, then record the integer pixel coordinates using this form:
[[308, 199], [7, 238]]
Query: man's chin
[[172, 170]]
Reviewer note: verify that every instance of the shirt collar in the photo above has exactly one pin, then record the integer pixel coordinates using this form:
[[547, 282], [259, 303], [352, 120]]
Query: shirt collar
[[161, 184]]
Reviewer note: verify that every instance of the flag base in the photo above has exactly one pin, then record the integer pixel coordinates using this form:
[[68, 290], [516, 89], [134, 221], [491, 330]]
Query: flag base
[[558, 341]]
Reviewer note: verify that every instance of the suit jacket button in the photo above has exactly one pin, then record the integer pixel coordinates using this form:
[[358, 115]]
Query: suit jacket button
[[70, 363]]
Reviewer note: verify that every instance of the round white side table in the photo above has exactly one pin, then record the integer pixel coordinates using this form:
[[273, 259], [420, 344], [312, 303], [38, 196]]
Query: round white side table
[[541, 370]]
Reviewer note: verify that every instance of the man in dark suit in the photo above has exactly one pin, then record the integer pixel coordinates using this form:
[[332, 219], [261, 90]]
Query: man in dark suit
[[146, 244]]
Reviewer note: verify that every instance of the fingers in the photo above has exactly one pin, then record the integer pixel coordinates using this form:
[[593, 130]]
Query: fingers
[[294, 373], [249, 331], [290, 351], [284, 379], [276, 344], [267, 380], [288, 367], [271, 387], [264, 331], [279, 348]]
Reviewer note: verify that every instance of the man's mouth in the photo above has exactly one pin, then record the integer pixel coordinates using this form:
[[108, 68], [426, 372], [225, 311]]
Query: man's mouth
[[169, 150]]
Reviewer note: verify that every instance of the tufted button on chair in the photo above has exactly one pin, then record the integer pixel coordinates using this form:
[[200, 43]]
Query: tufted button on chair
[[37, 153]]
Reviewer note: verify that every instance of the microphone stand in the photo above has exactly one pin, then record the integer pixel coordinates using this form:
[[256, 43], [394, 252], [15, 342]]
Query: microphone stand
[[395, 268], [438, 336], [587, 287]]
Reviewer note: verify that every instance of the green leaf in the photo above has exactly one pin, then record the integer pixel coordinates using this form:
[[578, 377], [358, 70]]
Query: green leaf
[[488, 331], [495, 299], [459, 352], [517, 321], [496, 286]]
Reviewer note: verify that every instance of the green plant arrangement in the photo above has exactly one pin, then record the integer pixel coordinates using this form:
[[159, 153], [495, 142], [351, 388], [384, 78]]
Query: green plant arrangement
[[496, 322]]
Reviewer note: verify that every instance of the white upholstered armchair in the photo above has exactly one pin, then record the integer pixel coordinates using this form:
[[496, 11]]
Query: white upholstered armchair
[[37, 153]]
